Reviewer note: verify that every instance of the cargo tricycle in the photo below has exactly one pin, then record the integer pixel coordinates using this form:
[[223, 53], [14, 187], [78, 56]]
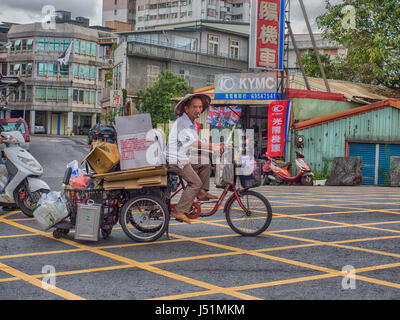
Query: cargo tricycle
[[141, 201]]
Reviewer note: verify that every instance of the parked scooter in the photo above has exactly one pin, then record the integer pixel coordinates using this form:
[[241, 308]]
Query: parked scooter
[[275, 172], [24, 187]]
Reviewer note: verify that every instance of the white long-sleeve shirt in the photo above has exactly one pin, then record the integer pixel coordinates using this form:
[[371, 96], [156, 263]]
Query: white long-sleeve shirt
[[181, 139]]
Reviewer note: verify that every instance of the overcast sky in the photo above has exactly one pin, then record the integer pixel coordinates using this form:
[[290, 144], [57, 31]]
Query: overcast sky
[[23, 11]]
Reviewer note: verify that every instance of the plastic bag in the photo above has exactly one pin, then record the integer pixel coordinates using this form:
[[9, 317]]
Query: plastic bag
[[80, 181], [51, 209], [74, 165]]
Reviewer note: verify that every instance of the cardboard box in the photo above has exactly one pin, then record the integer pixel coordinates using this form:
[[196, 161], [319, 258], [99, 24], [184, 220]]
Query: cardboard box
[[103, 156], [139, 145]]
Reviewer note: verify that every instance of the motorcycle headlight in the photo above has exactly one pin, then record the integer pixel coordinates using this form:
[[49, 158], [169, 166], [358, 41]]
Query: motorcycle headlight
[[31, 163]]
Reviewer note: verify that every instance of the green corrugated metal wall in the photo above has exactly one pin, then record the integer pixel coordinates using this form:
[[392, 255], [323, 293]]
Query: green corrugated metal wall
[[327, 141]]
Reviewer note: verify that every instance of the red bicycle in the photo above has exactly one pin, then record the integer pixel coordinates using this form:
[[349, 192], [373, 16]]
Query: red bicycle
[[146, 217]]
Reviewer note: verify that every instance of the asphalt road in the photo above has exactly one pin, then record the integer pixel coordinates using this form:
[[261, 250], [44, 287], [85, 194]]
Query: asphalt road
[[54, 153], [324, 243]]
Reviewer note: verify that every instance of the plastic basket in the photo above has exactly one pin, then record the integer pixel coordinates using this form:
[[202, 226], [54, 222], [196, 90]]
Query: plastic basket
[[254, 179], [73, 197]]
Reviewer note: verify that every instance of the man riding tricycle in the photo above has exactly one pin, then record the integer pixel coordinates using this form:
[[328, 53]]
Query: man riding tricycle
[[142, 199]]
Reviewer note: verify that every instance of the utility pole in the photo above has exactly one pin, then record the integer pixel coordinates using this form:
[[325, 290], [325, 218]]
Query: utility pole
[[296, 49], [303, 9]]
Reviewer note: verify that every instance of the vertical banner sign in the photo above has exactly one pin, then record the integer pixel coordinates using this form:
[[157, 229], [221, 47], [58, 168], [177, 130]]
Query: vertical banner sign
[[267, 34], [278, 125]]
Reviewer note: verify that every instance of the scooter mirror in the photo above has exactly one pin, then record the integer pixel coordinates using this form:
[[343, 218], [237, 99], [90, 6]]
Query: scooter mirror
[[19, 122]]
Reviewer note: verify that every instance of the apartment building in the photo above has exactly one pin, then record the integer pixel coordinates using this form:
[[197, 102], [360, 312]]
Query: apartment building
[[62, 98], [144, 14], [304, 45], [197, 51], [119, 15]]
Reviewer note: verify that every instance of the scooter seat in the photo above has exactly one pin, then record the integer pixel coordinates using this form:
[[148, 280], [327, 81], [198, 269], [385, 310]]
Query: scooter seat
[[282, 164]]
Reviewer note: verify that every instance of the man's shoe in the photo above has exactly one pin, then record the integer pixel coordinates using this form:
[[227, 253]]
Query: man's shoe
[[180, 216], [211, 196]]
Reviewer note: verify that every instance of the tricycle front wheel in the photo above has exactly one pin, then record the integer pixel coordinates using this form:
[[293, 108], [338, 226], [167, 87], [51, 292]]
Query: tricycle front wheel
[[256, 217]]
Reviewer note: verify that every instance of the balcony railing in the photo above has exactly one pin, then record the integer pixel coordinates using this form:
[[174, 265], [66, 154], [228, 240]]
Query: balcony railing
[[190, 47]]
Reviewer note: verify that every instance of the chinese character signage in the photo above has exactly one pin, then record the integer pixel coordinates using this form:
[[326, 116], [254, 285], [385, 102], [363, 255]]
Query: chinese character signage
[[246, 86], [278, 124], [116, 98], [267, 34]]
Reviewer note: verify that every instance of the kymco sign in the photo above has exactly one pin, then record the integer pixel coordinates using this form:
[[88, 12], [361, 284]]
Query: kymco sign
[[246, 86]]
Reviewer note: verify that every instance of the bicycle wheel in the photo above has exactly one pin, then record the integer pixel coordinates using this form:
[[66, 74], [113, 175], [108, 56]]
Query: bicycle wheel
[[257, 218], [144, 218]]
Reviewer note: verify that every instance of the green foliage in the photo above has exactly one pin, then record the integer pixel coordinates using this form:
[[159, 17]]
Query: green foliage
[[372, 42], [109, 117], [312, 69], [156, 100], [325, 173], [109, 77]]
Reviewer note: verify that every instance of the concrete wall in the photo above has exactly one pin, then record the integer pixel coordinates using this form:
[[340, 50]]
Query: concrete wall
[[326, 141]]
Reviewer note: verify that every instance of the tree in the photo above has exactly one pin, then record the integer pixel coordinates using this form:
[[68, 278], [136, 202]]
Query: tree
[[156, 100], [109, 117], [311, 66], [369, 30]]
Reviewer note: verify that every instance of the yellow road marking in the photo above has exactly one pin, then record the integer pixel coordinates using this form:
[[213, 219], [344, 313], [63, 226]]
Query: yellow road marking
[[32, 280]]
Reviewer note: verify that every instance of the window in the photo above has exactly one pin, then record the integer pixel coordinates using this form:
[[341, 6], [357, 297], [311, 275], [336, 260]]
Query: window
[[76, 71], [29, 44], [62, 94], [88, 48], [28, 69], [80, 95], [213, 44], [52, 94], [94, 49], [234, 49], [82, 47], [86, 97], [77, 46], [64, 70], [40, 93], [18, 45], [43, 44], [24, 44], [81, 72], [64, 44], [43, 69], [117, 77], [92, 97], [52, 69], [11, 72], [93, 73], [75, 95], [54, 45], [87, 75]]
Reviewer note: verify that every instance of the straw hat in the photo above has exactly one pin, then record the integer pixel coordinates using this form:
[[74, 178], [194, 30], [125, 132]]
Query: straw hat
[[179, 109]]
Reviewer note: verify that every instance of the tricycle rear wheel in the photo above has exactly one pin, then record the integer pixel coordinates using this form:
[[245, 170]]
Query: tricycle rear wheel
[[144, 218]]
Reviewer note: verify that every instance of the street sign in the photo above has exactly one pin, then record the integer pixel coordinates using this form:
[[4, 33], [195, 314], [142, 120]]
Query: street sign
[[116, 98], [246, 86], [267, 34], [278, 125]]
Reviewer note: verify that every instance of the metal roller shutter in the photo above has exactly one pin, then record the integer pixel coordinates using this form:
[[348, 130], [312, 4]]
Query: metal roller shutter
[[367, 151], [376, 160]]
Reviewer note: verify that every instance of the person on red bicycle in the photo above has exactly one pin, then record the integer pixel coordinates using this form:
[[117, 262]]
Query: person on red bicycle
[[183, 138]]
